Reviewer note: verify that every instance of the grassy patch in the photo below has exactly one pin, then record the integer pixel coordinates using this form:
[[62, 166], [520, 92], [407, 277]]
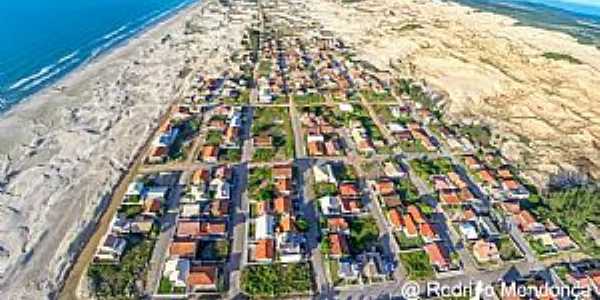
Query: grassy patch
[[277, 280], [417, 265], [507, 249], [363, 234], [406, 243], [561, 57]]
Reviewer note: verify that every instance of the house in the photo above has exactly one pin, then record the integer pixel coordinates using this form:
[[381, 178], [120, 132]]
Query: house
[[487, 177], [282, 171], [384, 187], [188, 229], [428, 232], [416, 215], [528, 223], [449, 197], [135, 189], [473, 162], [410, 229], [289, 247], [324, 174], [337, 224], [265, 225], [338, 245], [349, 190], [457, 180], [111, 248], [221, 189], [351, 206], [488, 228], [189, 211], [263, 142], [373, 266], [468, 230], [437, 256], [395, 219], [202, 278], [330, 205], [562, 241], [177, 270], [219, 208], [283, 186], [282, 205], [210, 153], [485, 251], [578, 279], [286, 223], [348, 269], [392, 201], [183, 249], [264, 251]]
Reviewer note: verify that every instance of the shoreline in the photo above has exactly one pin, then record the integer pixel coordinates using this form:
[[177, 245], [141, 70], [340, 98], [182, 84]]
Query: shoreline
[[61, 81]]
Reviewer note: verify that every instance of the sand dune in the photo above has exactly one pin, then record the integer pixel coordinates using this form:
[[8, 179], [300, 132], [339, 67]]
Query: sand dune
[[547, 112]]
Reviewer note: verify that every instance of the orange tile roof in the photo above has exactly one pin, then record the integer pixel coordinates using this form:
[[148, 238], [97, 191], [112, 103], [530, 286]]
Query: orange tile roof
[[199, 176], [385, 187], [182, 249], [436, 255], [415, 213], [338, 244], [209, 151], [265, 249], [510, 184], [450, 198], [188, 228], [426, 230], [282, 171], [525, 219], [409, 225], [315, 148], [465, 195], [219, 208], [504, 173], [337, 224], [282, 204], [487, 176], [213, 228], [457, 180], [350, 204], [283, 185], [468, 214], [349, 190], [200, 276], [286, 224], [395, 218]]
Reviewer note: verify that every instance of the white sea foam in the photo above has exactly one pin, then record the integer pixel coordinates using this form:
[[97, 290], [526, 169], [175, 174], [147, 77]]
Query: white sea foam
[[68, 57], [111, 34], [29, 78], [47, 76]]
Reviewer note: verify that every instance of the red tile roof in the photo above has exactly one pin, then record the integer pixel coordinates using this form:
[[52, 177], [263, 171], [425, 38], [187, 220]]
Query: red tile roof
[[265, 249]]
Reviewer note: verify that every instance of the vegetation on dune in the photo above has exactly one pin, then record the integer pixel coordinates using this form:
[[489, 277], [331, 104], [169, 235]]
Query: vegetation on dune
[[562, 56]]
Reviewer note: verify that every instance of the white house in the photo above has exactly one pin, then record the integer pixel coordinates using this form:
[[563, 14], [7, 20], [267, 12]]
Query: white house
[[111, 248], [264, 228], [330, 205], [177, 271], [469, 231], [324, 174]]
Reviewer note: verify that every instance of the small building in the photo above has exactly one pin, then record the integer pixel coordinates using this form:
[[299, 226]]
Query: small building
[[485, 251]]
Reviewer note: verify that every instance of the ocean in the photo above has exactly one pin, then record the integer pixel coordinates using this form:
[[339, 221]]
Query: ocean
[[578, 18], [45, 40]]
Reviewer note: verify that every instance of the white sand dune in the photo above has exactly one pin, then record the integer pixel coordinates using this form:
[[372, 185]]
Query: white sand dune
[[63, 150]]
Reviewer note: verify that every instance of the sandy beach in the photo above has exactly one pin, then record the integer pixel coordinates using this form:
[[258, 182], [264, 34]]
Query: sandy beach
[[63, 150], [544, 112]]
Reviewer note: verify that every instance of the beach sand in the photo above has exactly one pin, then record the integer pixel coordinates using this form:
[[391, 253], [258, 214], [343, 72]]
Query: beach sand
[[64, 149]]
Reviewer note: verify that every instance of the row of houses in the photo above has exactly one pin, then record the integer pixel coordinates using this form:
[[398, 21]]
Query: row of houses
[[199, 246], [276, 236], [226, 122]]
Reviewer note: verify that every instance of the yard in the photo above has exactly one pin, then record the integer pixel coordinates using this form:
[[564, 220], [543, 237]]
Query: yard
[[274, 122], [406, 243], [277, 280], [425, 168], [417, 265], [363, 234], [508, 250], [308, 99], [373, 96], [110, 281]]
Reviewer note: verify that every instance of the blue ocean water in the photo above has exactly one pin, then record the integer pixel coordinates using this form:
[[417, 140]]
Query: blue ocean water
[[44, 40]]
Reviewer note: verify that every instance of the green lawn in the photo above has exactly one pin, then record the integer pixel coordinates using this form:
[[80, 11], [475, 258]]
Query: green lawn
[[417, 265], [274, 121], [308, 99], [508, 250], [277, 280], [406, 243], [363, 234]]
